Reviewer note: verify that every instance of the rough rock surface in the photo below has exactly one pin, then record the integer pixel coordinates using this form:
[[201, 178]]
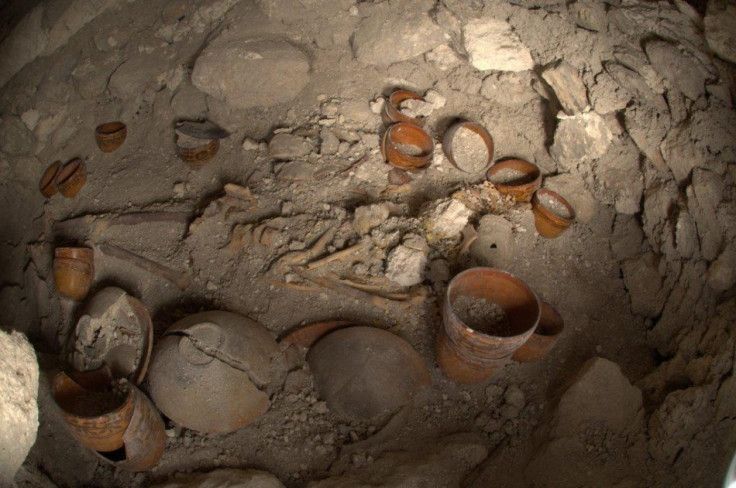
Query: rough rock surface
[[720, 28], [445, 219], [395, 31], [682, 70], [225, 478], [251, 72], [443, 463], [580, 138], [568, 87], [18, 408], [287, 146], [680, 152], [406, 265], [369, 216], [492, 45]]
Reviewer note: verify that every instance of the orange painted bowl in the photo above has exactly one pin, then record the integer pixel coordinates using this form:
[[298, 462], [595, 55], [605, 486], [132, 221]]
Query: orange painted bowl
[[407, 146], [47, 184], [71, 178], [515, 177], [459, 156], [552, 213], [97, 419], [544, 338], [110, 136], [199, 156]]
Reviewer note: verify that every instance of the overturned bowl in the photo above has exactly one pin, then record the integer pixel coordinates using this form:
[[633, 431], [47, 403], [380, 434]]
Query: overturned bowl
[[110, 136], [515, 177], [363, 372], [209, 371]]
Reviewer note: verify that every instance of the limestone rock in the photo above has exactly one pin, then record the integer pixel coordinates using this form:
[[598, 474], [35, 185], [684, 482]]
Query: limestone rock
[[443, 463], [579, 138], [720, 28], [329, 142], [619, 180], [395, 31], [15, 138], [589, 14], [600, 394], [677, 421], [288, 146], [252, 72], [509, 88], [722, 272], [297, 171], [679, 67], [444, 219], [444, 57], [188, 103], [406, 265], [627, 238], [224, 478], [18, 403], [704, 195], [643, 281], [636, 85], [369, 216], [647, 129], [568, 87], [139, 72], [572, 187], [680, 153], [492, 45]]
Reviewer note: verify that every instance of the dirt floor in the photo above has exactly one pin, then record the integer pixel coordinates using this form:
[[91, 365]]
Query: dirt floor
[[625, 106]]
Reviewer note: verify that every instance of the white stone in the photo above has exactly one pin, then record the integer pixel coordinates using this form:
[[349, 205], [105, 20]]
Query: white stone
[[444, 57], [288, 146], [369, 216], [30, 118], [492, 45], [435, 98], [580, 137], [18, 403], [406, 265], [395, 31], [567, 85], [444, 219], [720, 28]]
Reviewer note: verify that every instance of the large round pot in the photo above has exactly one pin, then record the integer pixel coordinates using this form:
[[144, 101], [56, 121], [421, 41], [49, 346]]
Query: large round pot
[[209, 370], [472, 354]]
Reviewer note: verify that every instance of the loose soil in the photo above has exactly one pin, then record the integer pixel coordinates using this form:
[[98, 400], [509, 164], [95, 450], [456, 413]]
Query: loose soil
[[482, 315]]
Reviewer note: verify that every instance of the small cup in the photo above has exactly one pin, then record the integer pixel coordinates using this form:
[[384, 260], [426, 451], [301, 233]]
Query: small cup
[[47, 185], [110, 136], [71, 178], [199, 156], [515, 177], [401, 135], [391, 113], [544, 338], [73, 271], [552, 214], [447, 147]]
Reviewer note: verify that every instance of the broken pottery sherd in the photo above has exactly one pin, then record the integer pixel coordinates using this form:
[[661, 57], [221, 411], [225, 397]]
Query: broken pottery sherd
[[209, 370], [391, 113], [110, 136], [115, 331], [552, 213], [515, 177], [363, 372], [504, 313]]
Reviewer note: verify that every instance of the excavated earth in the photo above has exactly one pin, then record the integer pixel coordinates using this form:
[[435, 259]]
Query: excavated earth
[[626, 106]]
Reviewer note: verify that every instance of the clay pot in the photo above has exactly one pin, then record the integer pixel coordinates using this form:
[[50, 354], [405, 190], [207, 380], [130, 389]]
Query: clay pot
[[208, 371], [115, 331], [71, 178], [363, 372], [544, 338], [521, 186], [101, 431], [47, 184], [199, 156], [110, 136], [73, 275], [407, 135], [549, 221], [470, 356], [391, 113], [306, 336], [447, 146], [130, 435]]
